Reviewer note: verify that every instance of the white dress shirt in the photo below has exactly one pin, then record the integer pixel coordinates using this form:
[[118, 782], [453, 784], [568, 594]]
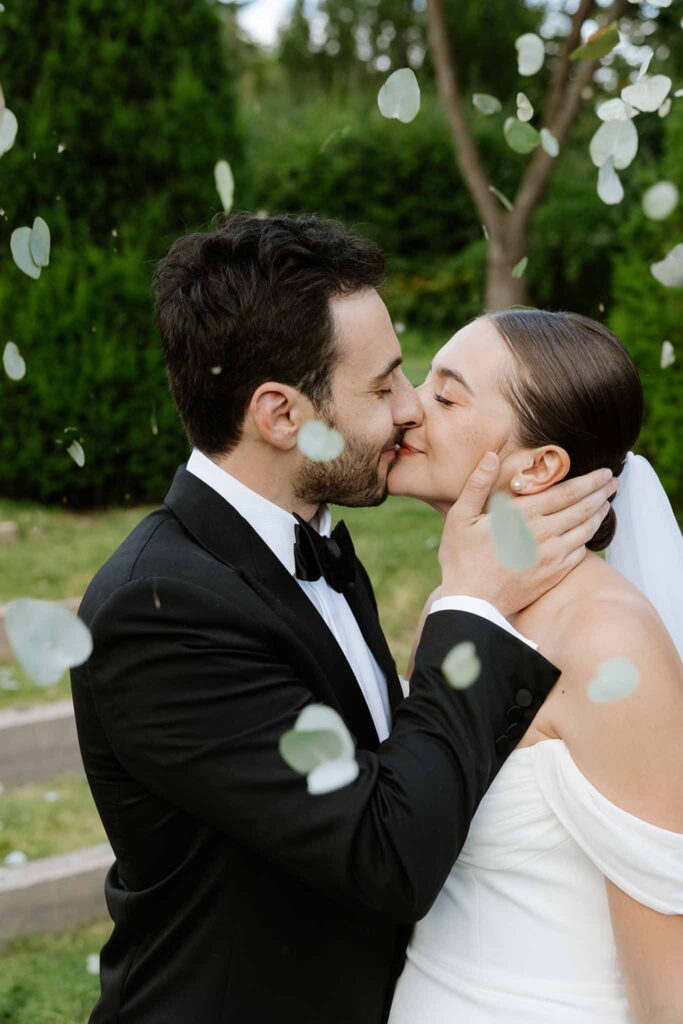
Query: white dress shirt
[[275, 527]]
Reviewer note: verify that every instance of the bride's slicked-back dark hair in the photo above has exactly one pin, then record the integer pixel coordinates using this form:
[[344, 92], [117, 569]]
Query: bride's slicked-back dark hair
[[249, 302], [573, 385]]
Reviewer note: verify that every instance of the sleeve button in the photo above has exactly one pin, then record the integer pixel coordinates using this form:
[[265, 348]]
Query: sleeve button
[[523, 698], [514, 714], [502, 745], [515, 730]]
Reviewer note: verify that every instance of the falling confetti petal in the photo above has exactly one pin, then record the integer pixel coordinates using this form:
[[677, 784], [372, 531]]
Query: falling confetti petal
[[461, 665], [486, 104], [320, 747], [549, 143], [519, 268], [525, 111], [615, 678], [648, 94], [77, 454], [225, 184], [501, 197], [610, 189], [660, 200], [513, 541], [319, 442], [8, 131], [153, 422], [51, 797], [399, 97], [615, 139], [92, 963], [14, 365], [646, 64], [599, 44], [47, 639], [665, 107], [39, 243], [615, 110], [520, 137], [15, 859], [20, 241], [669, 271], [668, 355], [530, 54]]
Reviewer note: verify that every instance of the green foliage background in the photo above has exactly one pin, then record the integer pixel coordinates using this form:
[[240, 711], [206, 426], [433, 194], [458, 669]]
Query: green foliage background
[[147, 98]]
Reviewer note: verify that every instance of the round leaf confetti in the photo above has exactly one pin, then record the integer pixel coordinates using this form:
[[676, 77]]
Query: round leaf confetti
[[39, 243], [599, 44], [610, 188], [513, 541], [20, 246], [14, 365], [530, 54], [615, 110], [525, 111], [669, 271], [522, 138], [399, 97], [320, 747], [615, 139], [668, 357], [92, 963], [319, 442], [549, 143], [76, 452], [461, 666], [616, 678], [15, 859], [47, 639], [660, 200], [519, 268], [486, 104], [225, 184], [8, 131], [332, 775], [648, 94], [501, 197]]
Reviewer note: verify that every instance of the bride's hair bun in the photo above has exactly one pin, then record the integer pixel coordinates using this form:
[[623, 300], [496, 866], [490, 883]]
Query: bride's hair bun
[[573, 384]]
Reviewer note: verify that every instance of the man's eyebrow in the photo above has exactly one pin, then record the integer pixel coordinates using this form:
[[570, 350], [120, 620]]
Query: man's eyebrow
[[444, 371], [385, 373]]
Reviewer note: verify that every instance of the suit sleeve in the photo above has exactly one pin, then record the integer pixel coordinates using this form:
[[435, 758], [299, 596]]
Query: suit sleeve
[[194, 697]]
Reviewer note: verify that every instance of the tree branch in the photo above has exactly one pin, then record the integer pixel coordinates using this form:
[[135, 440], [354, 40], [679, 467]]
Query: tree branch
[[466, 152], [565, 100]]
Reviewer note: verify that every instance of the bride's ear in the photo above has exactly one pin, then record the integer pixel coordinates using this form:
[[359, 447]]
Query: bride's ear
[[542, 468]]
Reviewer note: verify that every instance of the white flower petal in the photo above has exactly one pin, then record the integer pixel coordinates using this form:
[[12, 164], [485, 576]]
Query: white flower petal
[[75, 450], [8, 131], [319, 442], [665, 107], [486, 104], [19, 243], [513, 541], [660, 200], [615, 678], [615, 110], [39, 243], [615, 139], [461, 666], [530, 54], [92, 963], [668, 357], [399, 97], [669, 271], [47, 639], [225, 184], [610, 188], [648, 94], [549, 142], [331, 776], [525, 111], [14, 365]]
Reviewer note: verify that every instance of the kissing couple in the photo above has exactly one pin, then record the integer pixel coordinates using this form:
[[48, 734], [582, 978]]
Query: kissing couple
[[510, 851]]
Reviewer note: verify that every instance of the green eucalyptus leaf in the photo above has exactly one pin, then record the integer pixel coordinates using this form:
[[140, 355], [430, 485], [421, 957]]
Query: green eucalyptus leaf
[[599, 44]]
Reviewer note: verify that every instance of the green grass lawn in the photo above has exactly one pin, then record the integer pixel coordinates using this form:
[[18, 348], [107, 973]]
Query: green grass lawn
[[40, 827]]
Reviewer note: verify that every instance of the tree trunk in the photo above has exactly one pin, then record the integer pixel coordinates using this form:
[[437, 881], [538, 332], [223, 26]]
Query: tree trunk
[[502, 289]]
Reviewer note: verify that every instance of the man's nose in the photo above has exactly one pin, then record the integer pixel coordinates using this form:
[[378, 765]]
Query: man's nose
[[409, 412]]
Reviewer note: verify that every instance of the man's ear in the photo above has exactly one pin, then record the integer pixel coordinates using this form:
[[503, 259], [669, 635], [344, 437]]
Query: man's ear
[[275, 414], [542, 468]]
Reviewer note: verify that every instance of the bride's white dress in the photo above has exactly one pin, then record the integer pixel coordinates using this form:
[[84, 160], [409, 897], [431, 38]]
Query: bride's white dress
[[521, 931]]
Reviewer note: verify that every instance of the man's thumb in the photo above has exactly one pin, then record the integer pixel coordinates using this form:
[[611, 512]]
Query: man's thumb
[[478, 487]]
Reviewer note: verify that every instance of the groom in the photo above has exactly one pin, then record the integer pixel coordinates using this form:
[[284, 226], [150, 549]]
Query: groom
[[237, 897]]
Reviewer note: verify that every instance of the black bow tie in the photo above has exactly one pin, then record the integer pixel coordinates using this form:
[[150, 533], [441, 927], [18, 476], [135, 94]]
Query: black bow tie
[[333, 557]]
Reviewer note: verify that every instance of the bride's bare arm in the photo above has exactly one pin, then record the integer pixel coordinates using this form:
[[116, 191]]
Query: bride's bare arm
[[630, 750]]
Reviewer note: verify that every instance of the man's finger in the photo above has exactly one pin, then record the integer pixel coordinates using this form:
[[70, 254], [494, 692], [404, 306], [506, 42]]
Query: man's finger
[[478, 487], [566, 494], [579, 514], [582, 534]]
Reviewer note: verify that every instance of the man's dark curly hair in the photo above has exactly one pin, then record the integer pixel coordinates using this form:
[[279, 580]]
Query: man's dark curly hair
[[249, 302]]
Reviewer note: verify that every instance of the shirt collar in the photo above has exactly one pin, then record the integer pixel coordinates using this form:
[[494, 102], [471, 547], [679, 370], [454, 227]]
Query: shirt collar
[[274, 524]]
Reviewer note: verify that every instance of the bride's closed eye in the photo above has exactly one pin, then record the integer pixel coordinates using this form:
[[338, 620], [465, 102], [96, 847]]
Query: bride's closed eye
[[443, 401]]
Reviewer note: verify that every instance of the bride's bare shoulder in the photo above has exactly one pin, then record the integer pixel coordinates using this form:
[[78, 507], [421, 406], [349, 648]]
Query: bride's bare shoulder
[[625, 743]]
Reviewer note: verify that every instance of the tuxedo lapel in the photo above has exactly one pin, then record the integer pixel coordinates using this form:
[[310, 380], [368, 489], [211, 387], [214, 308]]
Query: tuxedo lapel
[[222, 531], [366, 616]]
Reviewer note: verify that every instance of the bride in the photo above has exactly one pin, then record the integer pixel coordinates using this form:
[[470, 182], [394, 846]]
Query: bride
[[566, 902]]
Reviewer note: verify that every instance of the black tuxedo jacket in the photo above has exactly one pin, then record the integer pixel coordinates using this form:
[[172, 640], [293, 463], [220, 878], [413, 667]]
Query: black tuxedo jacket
[[237, 897]]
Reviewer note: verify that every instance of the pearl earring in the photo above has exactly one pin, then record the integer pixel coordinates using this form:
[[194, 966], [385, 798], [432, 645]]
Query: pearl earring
[[517, 485]]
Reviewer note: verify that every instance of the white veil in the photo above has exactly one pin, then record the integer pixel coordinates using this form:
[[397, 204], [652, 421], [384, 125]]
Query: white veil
[[648, 547]]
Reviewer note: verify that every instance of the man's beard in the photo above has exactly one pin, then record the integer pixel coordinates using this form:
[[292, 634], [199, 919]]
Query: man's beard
[[354, 478]]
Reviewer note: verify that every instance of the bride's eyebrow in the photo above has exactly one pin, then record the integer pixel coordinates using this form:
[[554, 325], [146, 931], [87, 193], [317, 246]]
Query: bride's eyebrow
[[444, 371]]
